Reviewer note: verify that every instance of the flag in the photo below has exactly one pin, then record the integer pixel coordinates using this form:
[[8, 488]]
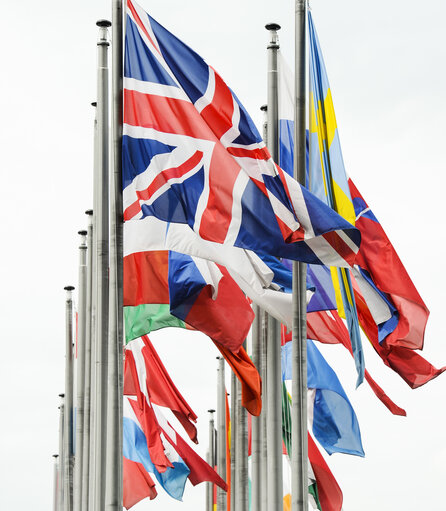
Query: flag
[[330, 412], [135, 449], [170, 289], [151, 418], [161, 388], [192, 155], [328, 327], [328, 490], [137, 483]]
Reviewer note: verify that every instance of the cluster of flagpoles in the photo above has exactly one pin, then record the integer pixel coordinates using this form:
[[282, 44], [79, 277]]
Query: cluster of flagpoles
[[88, 469]]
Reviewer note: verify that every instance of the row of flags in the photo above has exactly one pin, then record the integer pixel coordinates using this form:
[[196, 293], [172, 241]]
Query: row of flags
[[212, 222], [211, 226]]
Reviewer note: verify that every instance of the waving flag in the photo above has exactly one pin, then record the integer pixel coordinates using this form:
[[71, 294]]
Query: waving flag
[[330, 412], [136, 483], [192, 155]]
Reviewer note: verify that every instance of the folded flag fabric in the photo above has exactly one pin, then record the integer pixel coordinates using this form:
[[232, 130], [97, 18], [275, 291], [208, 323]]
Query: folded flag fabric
[[192, 155], [173, 478], [330, 412], [328, 490], [161, 388], [327, 327], [137, 483]]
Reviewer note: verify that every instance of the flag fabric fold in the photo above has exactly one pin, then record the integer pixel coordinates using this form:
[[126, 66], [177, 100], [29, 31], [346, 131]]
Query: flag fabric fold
[[137, 483]]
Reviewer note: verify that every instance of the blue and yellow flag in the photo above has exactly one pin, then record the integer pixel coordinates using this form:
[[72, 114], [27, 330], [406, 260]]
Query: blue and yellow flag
[[327, 179]]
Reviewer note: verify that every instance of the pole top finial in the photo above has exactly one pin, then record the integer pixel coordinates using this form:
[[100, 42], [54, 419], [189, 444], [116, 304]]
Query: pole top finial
[[89, 212], [69, 288], [272, 26], [82, 233], [211, 411], [264, 108], [103, 23], [55, 455], [62, 395], [94, 103]]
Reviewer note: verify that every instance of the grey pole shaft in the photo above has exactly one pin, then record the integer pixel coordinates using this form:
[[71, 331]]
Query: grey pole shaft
[[210, 493], [87, 380], [61, 453], [68, 409], [242, 495], [256, 440], [263, 416], [80, 376], [299, 459], [56, 483], [101, 225], [114, 490], [221, 432], [274, 418], [233, 450]]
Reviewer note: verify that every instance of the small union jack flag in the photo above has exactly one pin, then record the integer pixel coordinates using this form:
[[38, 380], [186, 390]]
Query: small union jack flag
[[191, 154]]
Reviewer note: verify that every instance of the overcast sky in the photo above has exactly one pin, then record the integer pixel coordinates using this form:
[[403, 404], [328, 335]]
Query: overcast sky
[[386, 66]]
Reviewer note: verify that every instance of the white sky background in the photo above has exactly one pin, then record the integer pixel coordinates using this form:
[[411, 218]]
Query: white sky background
[[386, 66]]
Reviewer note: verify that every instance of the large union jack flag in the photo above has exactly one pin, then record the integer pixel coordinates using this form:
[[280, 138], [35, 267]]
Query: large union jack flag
[[191, 154]]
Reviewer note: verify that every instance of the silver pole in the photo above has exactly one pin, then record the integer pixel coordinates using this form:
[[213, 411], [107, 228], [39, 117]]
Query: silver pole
[[241, 449], [61, 452], [56, 483], [114, 490], [256, 441], [299, 458], [68, 409], [263, 416], [221, 432], [210, 486], [234, 481], [274, 395], [100, 231], [80, 377], [88, 365]]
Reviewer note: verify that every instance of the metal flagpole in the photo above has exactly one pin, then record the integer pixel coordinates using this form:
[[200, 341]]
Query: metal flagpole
[[221, 432], [80, 386], [87, 379], [56, 483], [256, 441], [61, 453], [68, 408], [274, 390], [234, 420], [114, 490], [299, 459], [210, 486], [100, 231], [241, 449]]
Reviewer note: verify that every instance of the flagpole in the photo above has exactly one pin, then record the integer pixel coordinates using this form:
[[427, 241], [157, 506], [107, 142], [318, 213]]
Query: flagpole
[[299, 458], [274, 390], [264, 415], [234, 480], [221, 432], [210, 486], [87, 379], [61, 453], [256, 440], [56, 483], [68, 408], [80, 379], [241, 450], [114, 490], [100, 231]]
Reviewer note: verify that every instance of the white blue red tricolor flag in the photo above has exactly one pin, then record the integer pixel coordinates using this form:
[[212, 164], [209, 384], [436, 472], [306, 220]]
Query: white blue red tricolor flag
[[192, 155]]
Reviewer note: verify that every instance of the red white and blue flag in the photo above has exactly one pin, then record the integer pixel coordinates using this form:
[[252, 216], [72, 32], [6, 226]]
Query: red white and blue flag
[[192, 155]]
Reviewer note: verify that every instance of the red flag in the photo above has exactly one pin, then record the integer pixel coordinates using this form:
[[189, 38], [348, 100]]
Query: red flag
[[249, 377], [329, 492], [137, 483]]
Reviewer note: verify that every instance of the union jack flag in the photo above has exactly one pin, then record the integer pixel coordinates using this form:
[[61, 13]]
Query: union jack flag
[[191, 154]]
